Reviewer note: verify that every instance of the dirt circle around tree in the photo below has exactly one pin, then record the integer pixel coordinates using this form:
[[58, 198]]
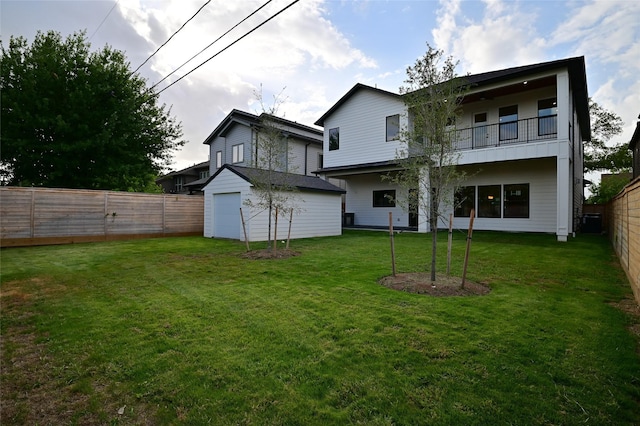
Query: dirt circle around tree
[[444, 286]]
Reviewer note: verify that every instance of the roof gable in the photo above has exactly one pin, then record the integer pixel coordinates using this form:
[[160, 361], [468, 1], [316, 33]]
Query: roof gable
[[358, 87], [237, 117]]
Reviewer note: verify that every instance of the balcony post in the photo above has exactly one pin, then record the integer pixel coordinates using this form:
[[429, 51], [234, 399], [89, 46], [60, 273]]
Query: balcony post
[[564, 105]]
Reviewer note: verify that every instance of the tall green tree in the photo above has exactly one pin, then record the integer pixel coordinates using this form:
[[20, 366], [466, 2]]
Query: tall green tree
[[598, 155], [77, 118], [433, 94]]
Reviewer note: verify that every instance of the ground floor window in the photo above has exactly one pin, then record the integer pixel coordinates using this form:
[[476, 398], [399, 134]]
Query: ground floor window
[[384, 198], [516, 200], [465, 201], [494, 201], [489, 200]]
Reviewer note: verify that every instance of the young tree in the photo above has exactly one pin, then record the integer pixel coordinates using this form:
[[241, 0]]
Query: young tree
[[79, 119], [272, 156], [597, 154], [432, 94]]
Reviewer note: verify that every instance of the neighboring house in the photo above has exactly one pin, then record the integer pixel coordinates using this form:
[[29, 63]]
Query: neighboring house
[[520, 141], [185, 181], [234, 146], [235, 141], [231, 187], [634, 146]]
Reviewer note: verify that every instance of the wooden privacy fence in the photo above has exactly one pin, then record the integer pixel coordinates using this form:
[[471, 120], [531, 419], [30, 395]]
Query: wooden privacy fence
[[40, 216], [624, 231]]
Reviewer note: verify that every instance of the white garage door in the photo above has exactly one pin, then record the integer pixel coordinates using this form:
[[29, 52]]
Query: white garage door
[[226, 215]]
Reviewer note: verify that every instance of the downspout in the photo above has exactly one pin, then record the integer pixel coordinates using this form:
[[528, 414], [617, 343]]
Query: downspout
[[306, 157]]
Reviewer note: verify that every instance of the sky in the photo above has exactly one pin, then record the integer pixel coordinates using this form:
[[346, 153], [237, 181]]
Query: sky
[[306, 58]]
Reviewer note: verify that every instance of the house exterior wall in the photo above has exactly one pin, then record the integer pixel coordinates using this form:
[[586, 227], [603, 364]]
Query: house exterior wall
[[359, 200], [243, 134], [540, 174], [303, 157], [320, 217], [362, 123], [238, 134]]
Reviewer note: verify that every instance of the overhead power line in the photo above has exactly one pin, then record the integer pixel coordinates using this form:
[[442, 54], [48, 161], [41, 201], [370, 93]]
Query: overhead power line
[[231, 44], [172, 35], [213, 42], [105, 18]]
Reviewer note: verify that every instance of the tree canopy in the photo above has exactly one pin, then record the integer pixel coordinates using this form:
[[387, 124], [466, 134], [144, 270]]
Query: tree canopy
[[77, 118], [598, 155], [432, 94]]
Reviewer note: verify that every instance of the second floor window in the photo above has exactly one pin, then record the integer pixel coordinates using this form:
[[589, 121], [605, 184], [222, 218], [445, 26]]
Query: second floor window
[[320, 161], [179, 183], [218, 159], [203, 174], [393, 127], [334, 139], [547, 117], [237, 153], [508, 122]]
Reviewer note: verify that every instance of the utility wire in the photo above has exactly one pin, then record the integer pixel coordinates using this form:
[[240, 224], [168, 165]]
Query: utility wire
[[212, 43], [105, 18], [234, 42], [172, 35]]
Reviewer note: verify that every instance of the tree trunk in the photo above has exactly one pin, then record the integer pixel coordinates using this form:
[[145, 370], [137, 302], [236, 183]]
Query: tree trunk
[[269, 229], [433, 220]]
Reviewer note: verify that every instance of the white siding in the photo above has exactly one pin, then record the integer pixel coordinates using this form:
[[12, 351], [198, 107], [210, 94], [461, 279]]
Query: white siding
[[359, 200], [321, 216], [362, 123]]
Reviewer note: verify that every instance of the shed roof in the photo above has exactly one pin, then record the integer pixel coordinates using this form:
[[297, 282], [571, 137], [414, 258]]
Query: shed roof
[[301, 182]]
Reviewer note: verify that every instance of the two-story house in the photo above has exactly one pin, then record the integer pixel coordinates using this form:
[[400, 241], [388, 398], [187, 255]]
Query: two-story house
[[520, 139], [236, 148], [185, 181]]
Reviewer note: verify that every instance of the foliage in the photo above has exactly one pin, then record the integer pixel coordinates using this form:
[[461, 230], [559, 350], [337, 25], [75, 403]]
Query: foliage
[[187, 331], [77, 118], [597, 154], [432, 94], [608, 188], [272, 156]]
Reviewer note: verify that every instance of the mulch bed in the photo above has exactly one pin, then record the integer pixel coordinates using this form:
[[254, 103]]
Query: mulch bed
[[420, 283]]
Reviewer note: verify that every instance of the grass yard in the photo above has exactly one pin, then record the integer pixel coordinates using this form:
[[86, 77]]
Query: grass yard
[[187, 331]]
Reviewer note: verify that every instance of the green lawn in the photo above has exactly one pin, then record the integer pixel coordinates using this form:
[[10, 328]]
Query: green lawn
[[187, 331]]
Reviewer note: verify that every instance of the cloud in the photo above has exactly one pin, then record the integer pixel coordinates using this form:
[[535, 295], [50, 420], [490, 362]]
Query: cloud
[[299, 44], [482, 44]]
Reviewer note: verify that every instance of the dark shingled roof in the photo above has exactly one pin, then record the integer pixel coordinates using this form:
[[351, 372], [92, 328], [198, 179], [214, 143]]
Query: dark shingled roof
[[301, 182]]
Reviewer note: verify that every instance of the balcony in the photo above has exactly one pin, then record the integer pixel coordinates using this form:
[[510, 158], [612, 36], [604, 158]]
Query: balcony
[[508, 133]]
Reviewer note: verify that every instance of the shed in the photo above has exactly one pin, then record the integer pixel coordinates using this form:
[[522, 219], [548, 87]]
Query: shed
[[231, 188]]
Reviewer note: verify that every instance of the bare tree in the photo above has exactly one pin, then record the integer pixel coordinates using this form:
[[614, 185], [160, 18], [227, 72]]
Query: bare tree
[[271, 159], [432, 95]]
